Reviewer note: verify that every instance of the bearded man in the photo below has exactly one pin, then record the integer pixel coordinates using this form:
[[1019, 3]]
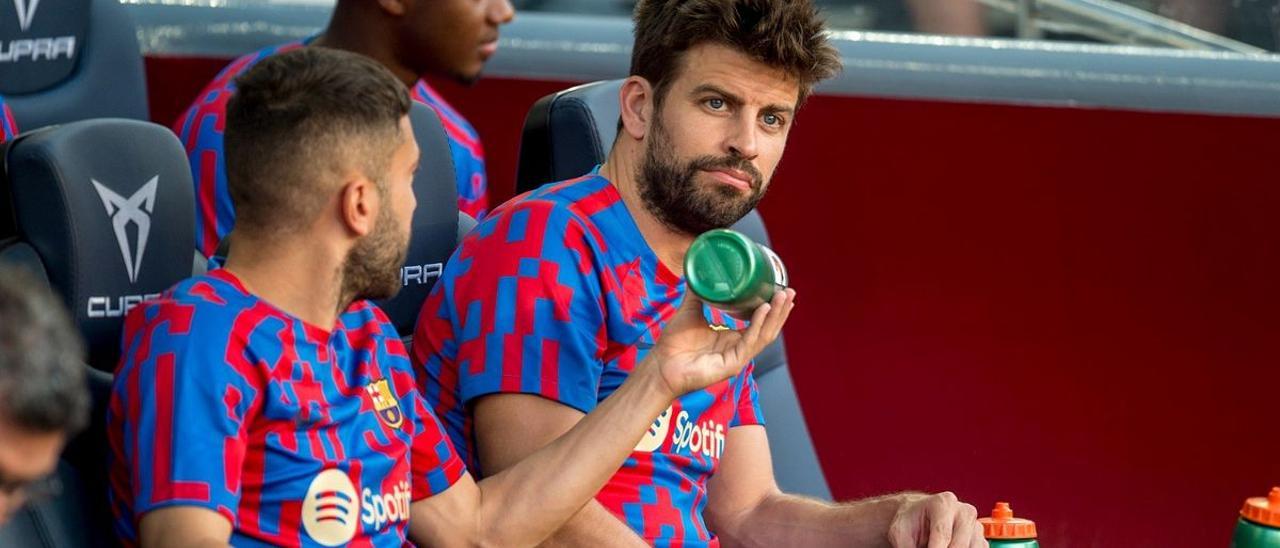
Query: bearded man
[[549, 304]]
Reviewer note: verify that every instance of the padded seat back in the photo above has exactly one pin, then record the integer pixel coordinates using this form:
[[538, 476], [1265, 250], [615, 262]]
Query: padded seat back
[[103, 210], [68, 60], [106, 206], [437, 227]]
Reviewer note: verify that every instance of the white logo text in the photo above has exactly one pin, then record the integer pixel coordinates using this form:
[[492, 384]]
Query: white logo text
[[706, 437], [380, 508]]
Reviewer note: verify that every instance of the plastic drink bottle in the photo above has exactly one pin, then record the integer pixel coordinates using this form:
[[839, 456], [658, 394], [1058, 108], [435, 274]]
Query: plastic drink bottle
[[732, 272], [1005, 531], [1259, 523]]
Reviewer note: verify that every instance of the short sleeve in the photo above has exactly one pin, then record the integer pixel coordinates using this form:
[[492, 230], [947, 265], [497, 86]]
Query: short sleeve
[[747, 399], [8, 127], [181, 406], [436, 465], [466, 150], [522, 299]]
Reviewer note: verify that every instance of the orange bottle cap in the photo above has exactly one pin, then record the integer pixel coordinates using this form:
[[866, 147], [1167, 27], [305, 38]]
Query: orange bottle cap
[[1002, 524], [1264, 510]]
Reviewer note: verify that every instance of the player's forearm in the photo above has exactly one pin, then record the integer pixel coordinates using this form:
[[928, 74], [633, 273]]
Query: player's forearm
[[594, 525], [525, 504], [783, 519]]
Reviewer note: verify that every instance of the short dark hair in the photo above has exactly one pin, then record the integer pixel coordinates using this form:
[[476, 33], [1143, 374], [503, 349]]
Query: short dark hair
[[786, 34], [42, 377], [297, 120]]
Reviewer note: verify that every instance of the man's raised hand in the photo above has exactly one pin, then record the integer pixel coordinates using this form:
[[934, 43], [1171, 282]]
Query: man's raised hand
[[691, 355]]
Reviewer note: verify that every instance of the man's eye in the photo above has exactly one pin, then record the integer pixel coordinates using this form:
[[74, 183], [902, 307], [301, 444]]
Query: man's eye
[[772, 120], [715, 104]]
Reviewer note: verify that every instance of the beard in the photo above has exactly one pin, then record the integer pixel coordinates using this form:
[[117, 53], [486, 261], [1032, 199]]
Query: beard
[[372, 268], [671, 192]]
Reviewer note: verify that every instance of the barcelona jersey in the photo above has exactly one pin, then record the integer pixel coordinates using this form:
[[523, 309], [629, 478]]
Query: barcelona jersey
[[201, 128], [297, 435], [8, 127], [557, 294]]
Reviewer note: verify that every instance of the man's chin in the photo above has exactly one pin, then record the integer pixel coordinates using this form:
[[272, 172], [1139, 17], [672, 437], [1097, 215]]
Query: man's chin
[[468, 78], [381, 293]]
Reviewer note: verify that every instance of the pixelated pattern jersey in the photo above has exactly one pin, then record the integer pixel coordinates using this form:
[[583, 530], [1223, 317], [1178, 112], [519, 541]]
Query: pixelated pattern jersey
[[201, 128], [8, 127], [557, 294], [294, 434]]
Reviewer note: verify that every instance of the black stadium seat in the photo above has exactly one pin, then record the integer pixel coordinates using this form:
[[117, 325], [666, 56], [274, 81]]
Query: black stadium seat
[[104, 209], [67, 60], [569, 132], [438, 226]]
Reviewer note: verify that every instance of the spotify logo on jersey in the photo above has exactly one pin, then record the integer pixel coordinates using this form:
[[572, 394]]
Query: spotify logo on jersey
[[656, 434], [329, 512]]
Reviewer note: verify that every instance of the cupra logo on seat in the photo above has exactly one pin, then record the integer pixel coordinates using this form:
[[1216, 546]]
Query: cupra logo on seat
[[26, 12], [135, 209]]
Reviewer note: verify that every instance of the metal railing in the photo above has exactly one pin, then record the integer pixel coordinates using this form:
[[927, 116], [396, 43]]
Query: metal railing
[[1111, 22]]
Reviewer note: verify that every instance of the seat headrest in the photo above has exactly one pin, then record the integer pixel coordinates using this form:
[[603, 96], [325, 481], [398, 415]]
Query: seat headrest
[[66, 60], [567, 133], [435, 221], [107, 206]]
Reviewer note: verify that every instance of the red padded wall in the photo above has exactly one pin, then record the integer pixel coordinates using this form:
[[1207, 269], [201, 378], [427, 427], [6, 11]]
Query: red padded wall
[[1075, 310]]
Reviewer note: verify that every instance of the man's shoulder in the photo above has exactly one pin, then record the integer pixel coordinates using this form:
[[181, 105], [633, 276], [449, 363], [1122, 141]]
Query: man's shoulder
[[576, 201], [200, 304], [227, 76], [212, 99], [364, 315], [453, 120]]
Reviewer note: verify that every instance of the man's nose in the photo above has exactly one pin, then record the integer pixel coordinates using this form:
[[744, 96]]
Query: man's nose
[[501, 12], [743, 140]]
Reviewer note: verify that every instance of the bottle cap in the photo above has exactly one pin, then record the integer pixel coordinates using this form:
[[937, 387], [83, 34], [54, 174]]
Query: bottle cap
[[1002, 525], [720, 265], [1264, 510]]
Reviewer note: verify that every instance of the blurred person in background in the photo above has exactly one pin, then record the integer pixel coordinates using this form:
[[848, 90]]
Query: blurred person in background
[[952, 17], [43, 398], [411, 38]]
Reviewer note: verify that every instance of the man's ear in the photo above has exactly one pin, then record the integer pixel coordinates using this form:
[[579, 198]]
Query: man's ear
[[358, 205], [395, 7], [636, 102]]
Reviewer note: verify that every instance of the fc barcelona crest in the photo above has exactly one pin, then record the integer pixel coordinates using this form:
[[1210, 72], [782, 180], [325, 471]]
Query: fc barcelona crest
[[384, 403]]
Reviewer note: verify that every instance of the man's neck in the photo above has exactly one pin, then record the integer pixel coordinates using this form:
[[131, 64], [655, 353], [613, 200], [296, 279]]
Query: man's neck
[[669, 245], [300, 279], [356, 32]]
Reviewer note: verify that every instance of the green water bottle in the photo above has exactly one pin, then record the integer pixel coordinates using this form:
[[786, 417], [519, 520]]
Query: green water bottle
[[1259, 522], [732, 272], [1005, 531]]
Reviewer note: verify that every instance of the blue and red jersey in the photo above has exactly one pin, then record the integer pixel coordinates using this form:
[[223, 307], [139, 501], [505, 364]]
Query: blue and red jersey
[[296, 434], [557, 294], [201, 130], [8, 127]]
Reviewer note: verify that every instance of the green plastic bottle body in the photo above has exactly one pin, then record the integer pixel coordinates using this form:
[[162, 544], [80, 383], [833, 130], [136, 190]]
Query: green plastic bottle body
[[1013, 543], [1255, 535], [731, 272]]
